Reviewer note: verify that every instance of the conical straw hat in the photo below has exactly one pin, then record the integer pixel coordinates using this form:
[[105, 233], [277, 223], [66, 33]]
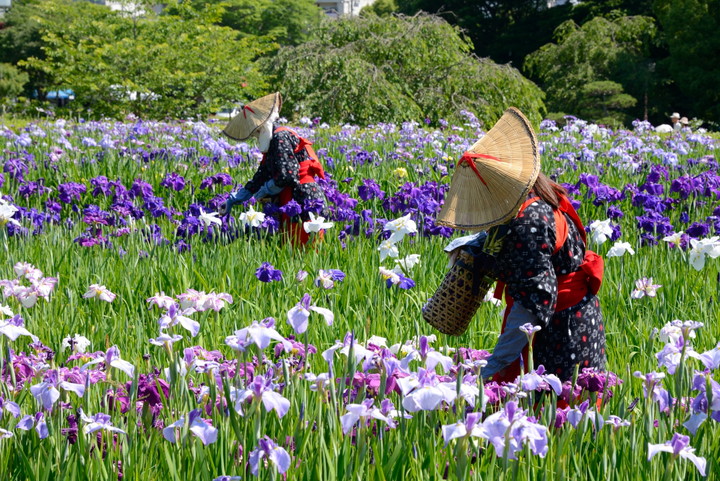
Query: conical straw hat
[[506, 163], [252, 116]]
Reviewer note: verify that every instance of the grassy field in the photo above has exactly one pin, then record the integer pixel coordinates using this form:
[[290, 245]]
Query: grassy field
[[96, 205]]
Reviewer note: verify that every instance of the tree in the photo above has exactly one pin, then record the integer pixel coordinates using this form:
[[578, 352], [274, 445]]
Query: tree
[[692, 32], [604, 101], [381, 8], [602, 49], [12, 81], [21, 38], [375, 69], [153, 66], [286, 22]]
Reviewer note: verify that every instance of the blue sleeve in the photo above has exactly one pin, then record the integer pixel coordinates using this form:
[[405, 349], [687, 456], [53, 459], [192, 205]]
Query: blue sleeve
[[511, 342]]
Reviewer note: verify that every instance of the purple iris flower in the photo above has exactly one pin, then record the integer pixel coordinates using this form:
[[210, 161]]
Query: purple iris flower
[[425, 392], [112, 359], [267, 273], [47, 393], [268, 449], [173, 181], [70, 191], [679, 446], [370, 190], [38, 421], [10, 407], [142, 189], [508, 429], [471, 427], [299, 315], [258, 333], [197, 425], [98, 422], [291, 209], [361, 412], [261, 389]]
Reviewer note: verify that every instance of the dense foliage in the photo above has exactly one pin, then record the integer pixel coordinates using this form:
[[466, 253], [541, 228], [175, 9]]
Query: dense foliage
[[599, 50], [381, 69], [152, 66]]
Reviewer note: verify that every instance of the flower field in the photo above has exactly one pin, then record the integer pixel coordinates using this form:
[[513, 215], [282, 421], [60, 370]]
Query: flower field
[[144, 337]]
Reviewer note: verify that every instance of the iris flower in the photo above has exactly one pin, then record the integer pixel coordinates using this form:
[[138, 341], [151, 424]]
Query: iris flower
[[471, 427], [701, 249], [112, 359], [7, 211], [316, 224], [261, 389], [252, 217], [175, 316], [97, 291], [198, 426], [361, 412], [645, 287], [679, 446], [209, 218], [600, 231], [258, 333], [268, 449], [98, 422], [38, 421], [619, 249], [14, 328], [388, 249], [299, 315], [267, 273], [399, 228], [47, 393]]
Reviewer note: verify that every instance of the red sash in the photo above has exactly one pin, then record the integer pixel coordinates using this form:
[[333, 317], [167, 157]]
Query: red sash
[[571, 287]]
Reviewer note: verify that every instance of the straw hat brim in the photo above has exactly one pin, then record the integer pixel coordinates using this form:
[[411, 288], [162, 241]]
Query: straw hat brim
[[252, 116], [508, 168]]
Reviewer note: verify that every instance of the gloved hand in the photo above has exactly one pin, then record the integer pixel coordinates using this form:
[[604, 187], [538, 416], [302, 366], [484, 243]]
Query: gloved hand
[[235, 198], [269, 188]]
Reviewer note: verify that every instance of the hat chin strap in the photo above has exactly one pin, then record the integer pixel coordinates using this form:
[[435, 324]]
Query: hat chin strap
[[265, 132]]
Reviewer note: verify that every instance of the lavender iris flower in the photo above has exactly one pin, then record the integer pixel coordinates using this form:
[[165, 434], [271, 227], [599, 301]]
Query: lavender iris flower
[[38, 421], [258, 333], [9, 406], [261, 389], [198, 426], [361, 412], [471, 427], [299, 315], [679, 446], [425, 392], [112, 359], [268, 449], [98, 422], [47, 393], [175, 316], [508, 429]]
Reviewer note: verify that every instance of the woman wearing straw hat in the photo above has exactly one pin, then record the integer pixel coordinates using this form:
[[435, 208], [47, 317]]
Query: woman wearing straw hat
[[535, 246], [287, 170]]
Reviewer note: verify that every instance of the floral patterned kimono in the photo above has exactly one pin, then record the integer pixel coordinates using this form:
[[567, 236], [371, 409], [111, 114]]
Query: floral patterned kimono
[[555, 282], [292, 164]]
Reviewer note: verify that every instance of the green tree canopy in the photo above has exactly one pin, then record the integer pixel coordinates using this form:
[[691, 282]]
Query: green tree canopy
[[692, 33], [600, 50], [154, 66], [12, 81], [388, 69], [286, 22]]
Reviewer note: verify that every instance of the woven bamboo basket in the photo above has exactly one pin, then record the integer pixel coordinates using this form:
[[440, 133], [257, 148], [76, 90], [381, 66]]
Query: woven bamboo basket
[[453, 305]]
